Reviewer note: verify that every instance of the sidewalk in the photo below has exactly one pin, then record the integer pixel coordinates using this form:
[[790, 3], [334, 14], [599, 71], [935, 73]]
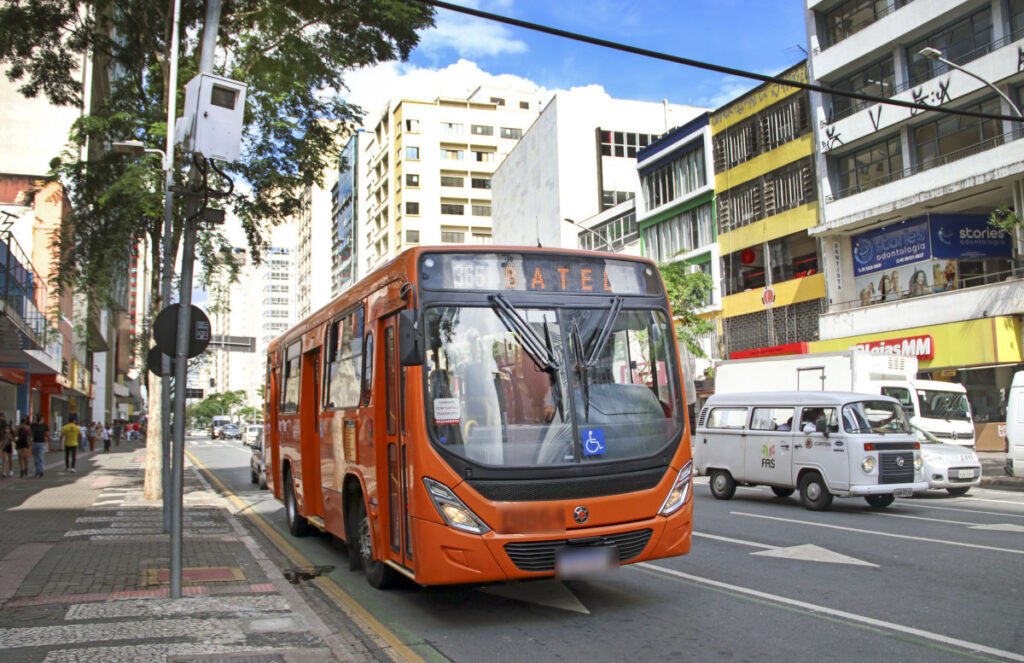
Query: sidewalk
[[84, 571], [993, 472]]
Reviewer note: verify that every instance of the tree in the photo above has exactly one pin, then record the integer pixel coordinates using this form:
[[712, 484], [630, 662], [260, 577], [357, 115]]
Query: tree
[[292, 55], [687, 292], [1005, 218]]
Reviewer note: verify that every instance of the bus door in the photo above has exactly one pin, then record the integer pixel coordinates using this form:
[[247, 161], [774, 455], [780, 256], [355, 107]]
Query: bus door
[[393, 455], [309, 425]]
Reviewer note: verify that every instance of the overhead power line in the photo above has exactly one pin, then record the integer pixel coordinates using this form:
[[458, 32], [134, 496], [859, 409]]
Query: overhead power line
[[636, 50]]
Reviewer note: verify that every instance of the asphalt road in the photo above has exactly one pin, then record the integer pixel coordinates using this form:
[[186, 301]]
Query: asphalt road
[[932, 578]]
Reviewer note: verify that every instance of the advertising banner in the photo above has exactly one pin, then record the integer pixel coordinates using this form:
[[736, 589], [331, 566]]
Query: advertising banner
[[890, 247], [968, 236]]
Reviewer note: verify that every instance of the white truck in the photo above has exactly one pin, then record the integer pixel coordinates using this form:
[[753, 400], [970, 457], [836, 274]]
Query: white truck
[[1015, 426], [941, 408]]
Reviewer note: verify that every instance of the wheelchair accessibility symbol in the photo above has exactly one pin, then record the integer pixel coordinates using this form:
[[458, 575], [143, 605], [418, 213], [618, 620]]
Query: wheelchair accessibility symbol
[[593, 442]]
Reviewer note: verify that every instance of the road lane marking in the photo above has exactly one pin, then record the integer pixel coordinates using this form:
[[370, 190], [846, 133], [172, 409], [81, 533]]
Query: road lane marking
[[369, 624], [877, 533], [996, 527], [806, 553], [878, 624], [1003, 514]]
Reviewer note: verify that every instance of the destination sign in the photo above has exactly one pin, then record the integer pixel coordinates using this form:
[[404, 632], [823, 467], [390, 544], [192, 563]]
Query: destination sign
[[523, 272]]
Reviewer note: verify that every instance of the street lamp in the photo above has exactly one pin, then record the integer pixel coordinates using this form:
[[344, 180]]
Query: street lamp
[[135, 148], [936, 54], [595, 234]]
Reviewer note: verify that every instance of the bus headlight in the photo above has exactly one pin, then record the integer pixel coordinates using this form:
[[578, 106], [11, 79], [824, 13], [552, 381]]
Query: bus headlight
[[452, 510], [918, 462], [680, 492], [868, 464]]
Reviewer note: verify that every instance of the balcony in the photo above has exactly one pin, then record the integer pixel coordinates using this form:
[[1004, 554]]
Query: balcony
[[22, 292]]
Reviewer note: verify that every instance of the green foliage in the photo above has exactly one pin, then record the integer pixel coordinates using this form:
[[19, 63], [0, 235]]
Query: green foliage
[[292, 55], [687, 292], [217, 404], [1004, 218]]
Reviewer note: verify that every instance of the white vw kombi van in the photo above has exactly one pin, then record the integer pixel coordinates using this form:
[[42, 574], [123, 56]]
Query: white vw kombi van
[[823, 443]]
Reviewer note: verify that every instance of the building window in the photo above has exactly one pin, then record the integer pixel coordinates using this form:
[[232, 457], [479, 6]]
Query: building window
[[624, 143], [877, 80], [448, 180], [676, 179], [613, 198], [481, 130], [481, 182], [508, 132], [792, 186], [451, 128], [412, 208], [412, 179], [949, 138], [736, 145], [483, 156], [479, 237], [412, 153], [452, 208], [453, 237], [870, 166], [412, 125], [451, 155], [525, 105], [680, 233], [481, 210], [855, 15], [498, 101], [961, 42], [1016, 19], [412, 236]]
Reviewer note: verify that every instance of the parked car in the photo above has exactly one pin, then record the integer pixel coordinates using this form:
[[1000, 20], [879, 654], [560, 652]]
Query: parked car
[[252, 432], [231, 432], [257, 465], [948, 466]]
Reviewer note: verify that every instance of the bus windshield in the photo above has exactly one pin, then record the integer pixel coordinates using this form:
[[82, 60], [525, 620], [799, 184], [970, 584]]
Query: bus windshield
[[522, 387]]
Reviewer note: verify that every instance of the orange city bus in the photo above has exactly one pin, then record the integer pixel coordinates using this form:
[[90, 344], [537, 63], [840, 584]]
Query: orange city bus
[[473, 414]]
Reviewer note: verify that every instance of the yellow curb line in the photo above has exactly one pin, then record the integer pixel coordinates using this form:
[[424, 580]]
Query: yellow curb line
[[339, 596]]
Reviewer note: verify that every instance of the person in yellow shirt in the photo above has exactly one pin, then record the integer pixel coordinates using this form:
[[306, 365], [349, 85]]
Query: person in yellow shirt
[[69, 435]]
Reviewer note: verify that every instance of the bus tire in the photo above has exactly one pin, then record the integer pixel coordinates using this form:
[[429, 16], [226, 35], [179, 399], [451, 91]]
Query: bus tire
[[378, 574], [782, 492], [297, 524], [879, 501], [723, 486], [814, 493], [957, 492]]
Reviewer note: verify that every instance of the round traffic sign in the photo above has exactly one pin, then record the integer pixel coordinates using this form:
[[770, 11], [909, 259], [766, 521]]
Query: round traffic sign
[[165, 331], [154, 362]]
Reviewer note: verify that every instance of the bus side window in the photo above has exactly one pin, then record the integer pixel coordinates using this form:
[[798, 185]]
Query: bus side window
[[345, 354], [290, 379]]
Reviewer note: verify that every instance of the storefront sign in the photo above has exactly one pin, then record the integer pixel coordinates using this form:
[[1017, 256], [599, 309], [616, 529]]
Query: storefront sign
[[771, 351], [967, 236], [922, 347], [891, 247]]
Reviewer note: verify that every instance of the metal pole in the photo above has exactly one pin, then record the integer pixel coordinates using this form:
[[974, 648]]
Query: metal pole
[[168, 271], [184, 326]]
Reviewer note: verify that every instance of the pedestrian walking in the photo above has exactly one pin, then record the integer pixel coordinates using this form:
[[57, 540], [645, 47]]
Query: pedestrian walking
[[69, 437], [22, 444], [6, 447], [105, 431], [39, 431], [92, 436], [118, 431]]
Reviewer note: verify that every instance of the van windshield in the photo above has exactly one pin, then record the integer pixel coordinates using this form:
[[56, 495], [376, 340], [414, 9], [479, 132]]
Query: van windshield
[[943, 404], [874, 417]]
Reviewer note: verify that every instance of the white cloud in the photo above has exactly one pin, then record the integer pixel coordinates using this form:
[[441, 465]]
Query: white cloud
[[469, 37]]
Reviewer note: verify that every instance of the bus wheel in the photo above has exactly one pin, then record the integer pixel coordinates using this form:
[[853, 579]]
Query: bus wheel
[[813, 492], [956, 492], [378, 574], [782, 492], [297, 524], [723, 486], [879, 501]]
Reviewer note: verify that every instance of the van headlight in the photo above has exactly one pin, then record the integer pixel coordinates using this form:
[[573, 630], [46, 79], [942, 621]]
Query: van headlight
[[918, 462], [451, 508], [868, 464], [680, 492]]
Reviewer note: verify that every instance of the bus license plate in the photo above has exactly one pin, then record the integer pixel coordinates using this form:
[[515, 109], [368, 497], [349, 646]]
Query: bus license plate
[[902, 492], [574, 562]]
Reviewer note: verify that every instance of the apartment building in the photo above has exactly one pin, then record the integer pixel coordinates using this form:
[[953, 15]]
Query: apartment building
[[312, 259], [345, 211], [911, 261], [766, 193], [429, 167], [576, 163]]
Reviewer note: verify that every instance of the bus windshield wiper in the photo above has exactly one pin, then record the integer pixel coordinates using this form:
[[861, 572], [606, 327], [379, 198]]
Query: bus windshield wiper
[[606, 331], [541, 352], [582, 368]]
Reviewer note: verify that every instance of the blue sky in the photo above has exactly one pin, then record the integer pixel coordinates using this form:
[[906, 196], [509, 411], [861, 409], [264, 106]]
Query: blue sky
[[764, 36]]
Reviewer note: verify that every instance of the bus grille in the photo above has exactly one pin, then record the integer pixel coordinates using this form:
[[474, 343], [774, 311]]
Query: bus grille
[[890, 471], [573, 488], [539, 556]]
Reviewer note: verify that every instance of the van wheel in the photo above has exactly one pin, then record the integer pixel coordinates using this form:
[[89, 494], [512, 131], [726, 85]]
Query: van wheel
[[297, 524], [378, 574], [879, 501], [723, 487], [253, 476], [782, 492], [813, 492], [956, 492], [263, 480]]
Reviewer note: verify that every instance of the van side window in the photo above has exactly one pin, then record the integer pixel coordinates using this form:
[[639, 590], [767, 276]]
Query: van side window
[[811, 415], [727, 417], [772, 418]]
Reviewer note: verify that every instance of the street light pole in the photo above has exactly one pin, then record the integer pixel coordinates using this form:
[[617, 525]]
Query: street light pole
[[936, 54], [597, 235]]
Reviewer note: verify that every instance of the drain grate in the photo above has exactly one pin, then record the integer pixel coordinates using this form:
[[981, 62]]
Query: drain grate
[[299, 575]]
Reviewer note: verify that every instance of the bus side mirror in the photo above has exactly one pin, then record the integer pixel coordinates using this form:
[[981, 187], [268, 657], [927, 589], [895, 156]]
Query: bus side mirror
[[410, 339]]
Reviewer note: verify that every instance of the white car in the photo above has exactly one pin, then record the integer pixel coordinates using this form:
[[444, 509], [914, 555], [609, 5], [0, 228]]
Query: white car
[[948, 466], [251, 435]]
